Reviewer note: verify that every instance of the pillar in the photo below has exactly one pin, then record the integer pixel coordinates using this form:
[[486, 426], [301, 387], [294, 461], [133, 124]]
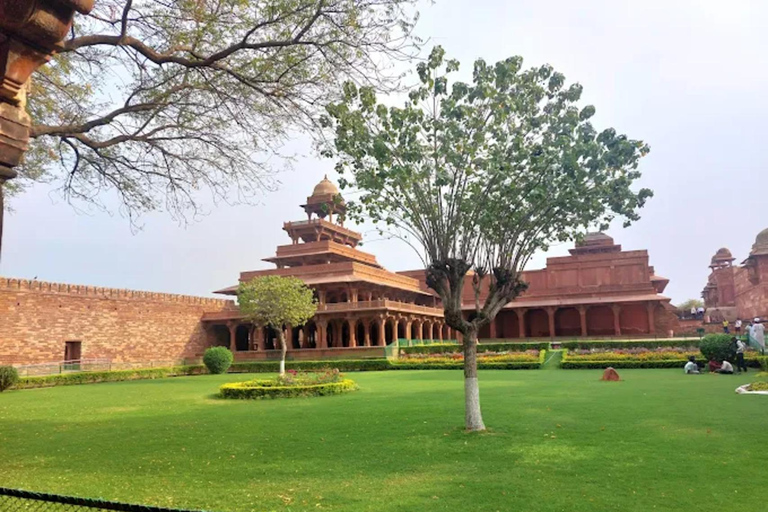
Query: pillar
[[419, 330], [261, 343], [583, 315], [367, 328], [616, 319], [381, 324], [440, 327], [521, 321], [322, 340], [232, 326], [289, 337], [351, 324], [651, 306], [492, 329], [407, 329], [431, 331], [551, 317]]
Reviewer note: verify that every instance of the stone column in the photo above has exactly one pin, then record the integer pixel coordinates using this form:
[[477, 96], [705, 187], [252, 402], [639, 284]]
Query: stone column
[[651, 306], [261, 343], [367, 328], [616, 319], [289, 337], [232, 326], [583, 315], [322, 340], [351, 324], [551, 317], [521, 321], [408, 329], [492, 329], [431, 331], [381, 324], [440, 327], [419, 330]]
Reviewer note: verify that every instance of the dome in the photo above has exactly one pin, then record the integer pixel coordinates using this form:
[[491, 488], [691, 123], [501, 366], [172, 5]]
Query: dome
[[761, 243], [325, 187], [722, 254]]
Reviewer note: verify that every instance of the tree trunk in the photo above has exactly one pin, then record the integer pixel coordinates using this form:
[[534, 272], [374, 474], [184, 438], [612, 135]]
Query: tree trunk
[[473, 417], [283, 349]]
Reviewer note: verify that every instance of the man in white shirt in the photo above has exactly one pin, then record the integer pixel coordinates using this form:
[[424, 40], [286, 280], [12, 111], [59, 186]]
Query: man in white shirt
[[740, 349], [726, 367], [691, 366], [758, 334], [737, 327]]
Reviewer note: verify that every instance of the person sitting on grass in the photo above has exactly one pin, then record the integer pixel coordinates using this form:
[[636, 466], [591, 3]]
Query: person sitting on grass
[[726, 368], [713, 365], [691, 366]]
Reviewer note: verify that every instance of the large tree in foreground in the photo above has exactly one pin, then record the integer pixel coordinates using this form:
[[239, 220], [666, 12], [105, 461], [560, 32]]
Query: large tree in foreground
[[156, 99], [276, 302], [480, 176]]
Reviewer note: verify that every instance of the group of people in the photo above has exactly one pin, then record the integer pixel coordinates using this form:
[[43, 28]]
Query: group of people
[[755, 332], [725, 367], [697, 313]]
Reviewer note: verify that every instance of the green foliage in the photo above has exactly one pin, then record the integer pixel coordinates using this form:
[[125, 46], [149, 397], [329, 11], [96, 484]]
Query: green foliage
[[585, 365], [9, 376], [276, 301], [218, 359], [572, 345], [208, 92], [763, 361], [686, 306], [481, 347], [758, 386], [719, 347], [67, 379], [272, 388]]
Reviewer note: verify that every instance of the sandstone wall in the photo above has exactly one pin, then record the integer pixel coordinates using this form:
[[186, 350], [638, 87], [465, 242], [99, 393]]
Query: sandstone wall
[[752, 290], [37, 318]]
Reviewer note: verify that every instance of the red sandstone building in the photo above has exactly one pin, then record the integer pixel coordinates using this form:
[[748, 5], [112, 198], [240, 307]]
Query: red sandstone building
[[738, 291], [599, 290]]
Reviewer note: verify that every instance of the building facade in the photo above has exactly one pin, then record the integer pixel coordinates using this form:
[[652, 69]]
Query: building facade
[[738, 291]]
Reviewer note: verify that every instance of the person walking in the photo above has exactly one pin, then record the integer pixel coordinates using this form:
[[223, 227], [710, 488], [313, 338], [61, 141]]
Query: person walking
[[758, 334], [740, 349]]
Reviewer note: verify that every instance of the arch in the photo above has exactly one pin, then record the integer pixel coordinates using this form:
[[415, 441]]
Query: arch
[[360, 328], [344, 334], [218, 336], [295, 341], [390, 330], [634, 319], [567, 322], [400, 323], [310, 328], [241, 338], [373, 328], [415, 329], [270, 339], [508, 325], [600, 321], [537, 323]]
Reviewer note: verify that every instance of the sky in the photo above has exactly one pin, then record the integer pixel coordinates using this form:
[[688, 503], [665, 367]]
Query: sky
[[688, 77]]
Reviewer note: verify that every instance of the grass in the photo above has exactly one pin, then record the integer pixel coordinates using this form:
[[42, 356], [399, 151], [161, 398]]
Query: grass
[[560, 441]]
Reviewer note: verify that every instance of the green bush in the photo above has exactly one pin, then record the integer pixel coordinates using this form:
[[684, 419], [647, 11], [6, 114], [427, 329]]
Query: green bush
[[343, 365], [9, 376], [444, 348], [68, 379], [719, 347], [217, 359], [270, 388], [589, 344]]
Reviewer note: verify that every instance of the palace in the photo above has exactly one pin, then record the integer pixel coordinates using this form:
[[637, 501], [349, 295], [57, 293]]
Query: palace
[[738, 291], [599, 290]]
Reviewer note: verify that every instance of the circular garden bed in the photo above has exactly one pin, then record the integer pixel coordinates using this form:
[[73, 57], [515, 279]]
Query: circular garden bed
[[292, 384], [756, 388]]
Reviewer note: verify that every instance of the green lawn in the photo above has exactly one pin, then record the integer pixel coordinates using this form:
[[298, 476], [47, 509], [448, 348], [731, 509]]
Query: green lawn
[[560, 440]]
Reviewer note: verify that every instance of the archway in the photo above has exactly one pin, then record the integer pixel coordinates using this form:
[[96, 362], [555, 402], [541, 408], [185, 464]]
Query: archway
[[311, 334], [507, 326], [389, 331], [600, 321], [373, 328], [567, 322], [241, 338], [360, 333], [401, 329], [344, 331], [537, 323], [218, 336], [415, 330], [270, 339], [633, 319]]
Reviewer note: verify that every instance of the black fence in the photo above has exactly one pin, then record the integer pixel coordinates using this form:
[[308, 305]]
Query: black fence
[[16, 500]]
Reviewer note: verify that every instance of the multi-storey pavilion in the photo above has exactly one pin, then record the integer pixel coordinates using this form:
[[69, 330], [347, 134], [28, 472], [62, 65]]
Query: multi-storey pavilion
[[359, 302]]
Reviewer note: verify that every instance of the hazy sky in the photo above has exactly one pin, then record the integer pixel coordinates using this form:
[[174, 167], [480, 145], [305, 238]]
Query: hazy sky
[[688, 77]]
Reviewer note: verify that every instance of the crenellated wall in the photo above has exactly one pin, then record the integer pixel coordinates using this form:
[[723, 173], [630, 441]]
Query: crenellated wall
[[37, 318]]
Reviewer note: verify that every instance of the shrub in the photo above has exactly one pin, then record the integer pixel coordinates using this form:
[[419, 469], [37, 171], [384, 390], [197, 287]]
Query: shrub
[[607, 344], [273, 388], [758, 386], [217, 359], [443, 348], [68, 379], [719, 347], [8, 377]]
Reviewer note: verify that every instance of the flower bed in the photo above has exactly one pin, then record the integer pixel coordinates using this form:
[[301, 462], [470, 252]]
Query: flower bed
[[662, 357], [448, 348], [527, 360], [292, 384]]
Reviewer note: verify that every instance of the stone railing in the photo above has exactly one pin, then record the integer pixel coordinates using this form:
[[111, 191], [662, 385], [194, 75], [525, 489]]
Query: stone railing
[[27, 285], [391, 305]]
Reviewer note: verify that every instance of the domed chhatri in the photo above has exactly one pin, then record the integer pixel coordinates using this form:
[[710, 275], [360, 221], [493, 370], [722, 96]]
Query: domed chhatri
[[722, 256], [324, 188], [761, 244]]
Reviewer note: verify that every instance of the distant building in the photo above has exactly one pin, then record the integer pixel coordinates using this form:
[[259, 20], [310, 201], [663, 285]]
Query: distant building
[[738, 291]]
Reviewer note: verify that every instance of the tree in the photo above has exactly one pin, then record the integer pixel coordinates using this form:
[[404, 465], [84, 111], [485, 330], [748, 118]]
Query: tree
[[276, 302], [479, 176], [155, 100], [686, 306]]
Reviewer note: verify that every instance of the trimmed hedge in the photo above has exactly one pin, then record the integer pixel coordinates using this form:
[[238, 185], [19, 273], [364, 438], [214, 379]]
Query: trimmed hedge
[[343, 365], [68, 379], [218, 359], [9, 376], [572, 345], [255, 389], [443, 348], [669, 363]]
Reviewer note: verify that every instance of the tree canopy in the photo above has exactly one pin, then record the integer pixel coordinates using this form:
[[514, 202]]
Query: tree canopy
[[481, 176], [156, 100], [276, 301]]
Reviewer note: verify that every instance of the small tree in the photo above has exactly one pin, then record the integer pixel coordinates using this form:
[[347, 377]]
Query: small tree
[[482, 175], [276, 301], [686, 306]]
